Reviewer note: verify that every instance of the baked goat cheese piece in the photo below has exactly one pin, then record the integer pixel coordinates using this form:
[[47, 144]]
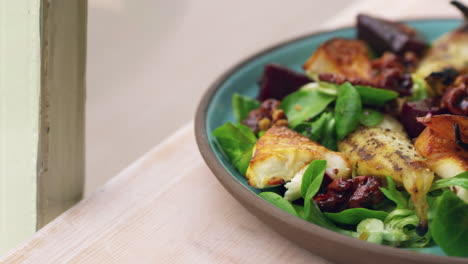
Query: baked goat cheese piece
[[282, 154]]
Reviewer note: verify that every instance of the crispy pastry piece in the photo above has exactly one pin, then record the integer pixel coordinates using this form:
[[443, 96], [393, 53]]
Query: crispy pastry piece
[[281, 153], [437, 144], [346, 57], [444, 125], [442, 155], [379, 152]]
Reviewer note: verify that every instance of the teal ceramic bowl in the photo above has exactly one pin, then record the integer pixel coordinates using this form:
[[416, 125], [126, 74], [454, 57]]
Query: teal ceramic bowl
[[215, 109]]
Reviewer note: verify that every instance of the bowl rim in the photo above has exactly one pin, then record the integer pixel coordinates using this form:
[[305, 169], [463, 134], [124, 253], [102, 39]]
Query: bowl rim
[[256, 205]]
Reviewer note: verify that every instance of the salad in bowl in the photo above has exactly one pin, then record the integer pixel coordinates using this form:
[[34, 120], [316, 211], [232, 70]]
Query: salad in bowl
[[370, 140]]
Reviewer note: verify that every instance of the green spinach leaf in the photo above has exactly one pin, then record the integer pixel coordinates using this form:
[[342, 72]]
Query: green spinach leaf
[[237, 143], [375, 96], [394, 195], [313, 177], [449, 227], [355, 215], [459, 180], [303, 105], [347, 110], [370, 117], [278, 201], [242, 105]]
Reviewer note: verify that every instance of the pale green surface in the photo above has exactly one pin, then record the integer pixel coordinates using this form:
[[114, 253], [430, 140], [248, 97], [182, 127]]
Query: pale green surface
[[19, 118]]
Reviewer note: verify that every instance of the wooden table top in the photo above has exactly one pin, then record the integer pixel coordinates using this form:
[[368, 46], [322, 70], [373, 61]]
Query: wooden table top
[[167, 207]]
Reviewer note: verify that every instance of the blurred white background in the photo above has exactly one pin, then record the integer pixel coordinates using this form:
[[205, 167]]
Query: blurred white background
[[149, 62]]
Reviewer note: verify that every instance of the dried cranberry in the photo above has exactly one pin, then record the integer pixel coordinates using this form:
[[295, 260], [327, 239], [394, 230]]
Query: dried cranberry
[[341, 185], [362, 191], [329, 203], [367, 192], [327, 179]]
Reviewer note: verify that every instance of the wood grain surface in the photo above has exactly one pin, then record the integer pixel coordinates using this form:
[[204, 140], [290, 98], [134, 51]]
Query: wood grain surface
[[167, 207]]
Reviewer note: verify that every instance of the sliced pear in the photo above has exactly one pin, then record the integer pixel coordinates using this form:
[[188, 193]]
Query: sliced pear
[[381, 152]]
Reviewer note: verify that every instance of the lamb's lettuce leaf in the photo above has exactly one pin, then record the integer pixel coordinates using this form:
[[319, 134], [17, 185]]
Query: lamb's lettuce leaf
[[449, 227], [353, 216], [369, 95], [242, 105], [375, 96], [278, 201], [348, 109], [320, 130], [304, 105], [237, 141], [329, 139], [391, 192], [370, 117], [397, 230], [312, 184], [313, 177], [459, 180]]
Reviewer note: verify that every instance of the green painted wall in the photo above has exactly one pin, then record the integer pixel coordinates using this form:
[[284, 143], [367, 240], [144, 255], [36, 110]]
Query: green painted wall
[[19, 118]]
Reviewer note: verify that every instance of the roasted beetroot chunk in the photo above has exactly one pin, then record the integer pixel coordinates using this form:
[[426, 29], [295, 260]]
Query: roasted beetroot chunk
[[278, 81], [411, 110], [383, 35]]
